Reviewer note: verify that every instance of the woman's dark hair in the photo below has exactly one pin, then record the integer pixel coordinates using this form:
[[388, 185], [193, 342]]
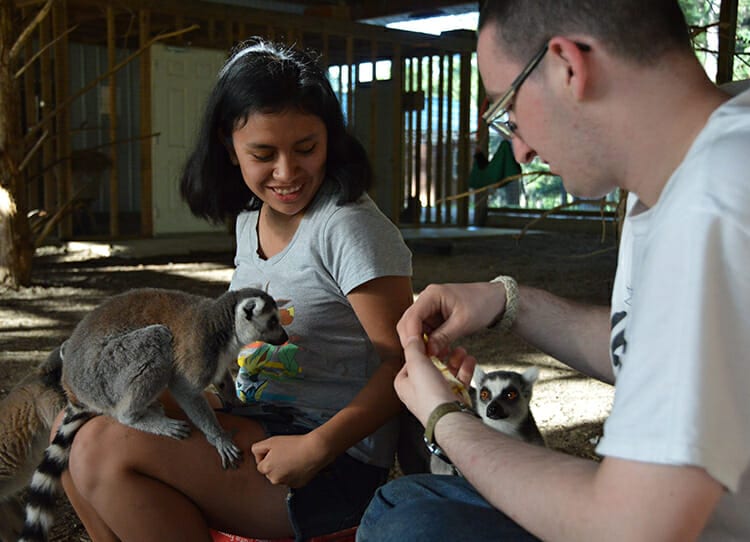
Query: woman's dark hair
[[264, 77]]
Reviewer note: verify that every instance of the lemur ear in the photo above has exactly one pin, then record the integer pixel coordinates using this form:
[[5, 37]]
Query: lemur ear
[[249, 308], [478, 376], [531, 374]]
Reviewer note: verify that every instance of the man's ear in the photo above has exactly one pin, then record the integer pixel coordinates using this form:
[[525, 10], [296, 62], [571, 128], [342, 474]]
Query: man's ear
[[229, 146], [573, 64]]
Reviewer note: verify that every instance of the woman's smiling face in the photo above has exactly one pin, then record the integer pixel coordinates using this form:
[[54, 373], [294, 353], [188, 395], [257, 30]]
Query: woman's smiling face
[[282, 157]]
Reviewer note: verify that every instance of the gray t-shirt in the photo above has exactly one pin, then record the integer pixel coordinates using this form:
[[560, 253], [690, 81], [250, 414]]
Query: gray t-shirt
[[329, 357]]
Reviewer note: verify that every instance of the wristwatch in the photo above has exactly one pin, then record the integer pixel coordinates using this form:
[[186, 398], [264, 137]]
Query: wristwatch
[[429, 429]]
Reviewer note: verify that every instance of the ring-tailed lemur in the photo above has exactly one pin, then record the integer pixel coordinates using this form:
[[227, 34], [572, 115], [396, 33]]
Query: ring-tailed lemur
[[26, 417], [123, 355], [502, 400]]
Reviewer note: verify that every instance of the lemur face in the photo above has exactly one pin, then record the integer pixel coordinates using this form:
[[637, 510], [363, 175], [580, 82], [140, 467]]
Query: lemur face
[[503, 396], [257, 319], [499, 404]]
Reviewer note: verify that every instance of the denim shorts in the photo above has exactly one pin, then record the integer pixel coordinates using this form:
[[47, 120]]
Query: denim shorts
[[338, 495]]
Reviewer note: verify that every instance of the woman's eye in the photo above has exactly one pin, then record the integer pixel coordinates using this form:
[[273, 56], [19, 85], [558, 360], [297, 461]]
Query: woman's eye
[[307, 150], [263, 157]]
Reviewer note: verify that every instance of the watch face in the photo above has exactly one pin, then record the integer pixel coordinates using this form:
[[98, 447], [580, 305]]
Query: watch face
[[437, 451]]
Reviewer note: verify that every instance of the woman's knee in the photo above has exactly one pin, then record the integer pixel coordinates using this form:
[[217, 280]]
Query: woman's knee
[[95, 454]]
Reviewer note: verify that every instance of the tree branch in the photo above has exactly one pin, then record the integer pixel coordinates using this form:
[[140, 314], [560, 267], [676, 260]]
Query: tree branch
[[29, 30], [41, 51]]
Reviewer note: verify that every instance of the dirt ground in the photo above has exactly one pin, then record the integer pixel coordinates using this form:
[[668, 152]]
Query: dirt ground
[[569, 408]]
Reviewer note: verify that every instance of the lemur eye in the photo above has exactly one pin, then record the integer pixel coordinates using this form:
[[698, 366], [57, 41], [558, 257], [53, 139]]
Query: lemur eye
[[484, 394], [510, 394]]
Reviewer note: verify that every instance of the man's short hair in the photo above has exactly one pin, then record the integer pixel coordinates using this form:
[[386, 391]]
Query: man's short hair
[[639, 30]]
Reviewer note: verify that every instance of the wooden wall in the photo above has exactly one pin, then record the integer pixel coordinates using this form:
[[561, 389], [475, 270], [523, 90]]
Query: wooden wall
[[426, 103]]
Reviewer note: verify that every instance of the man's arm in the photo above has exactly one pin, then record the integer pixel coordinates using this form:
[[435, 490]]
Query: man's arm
[[573, 333], [553, 495], [560, 497]]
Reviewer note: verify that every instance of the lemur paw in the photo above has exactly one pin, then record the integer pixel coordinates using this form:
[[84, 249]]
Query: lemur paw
[[231, 455], [177, 429]]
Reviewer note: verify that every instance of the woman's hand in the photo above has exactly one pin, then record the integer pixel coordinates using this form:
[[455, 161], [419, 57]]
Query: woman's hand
[[292, 460]]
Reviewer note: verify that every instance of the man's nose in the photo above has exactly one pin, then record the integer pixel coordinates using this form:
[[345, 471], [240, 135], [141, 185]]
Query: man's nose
[[521, 151]]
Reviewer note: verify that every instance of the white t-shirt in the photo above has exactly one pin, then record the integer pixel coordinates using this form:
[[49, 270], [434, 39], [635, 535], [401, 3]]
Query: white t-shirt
[[329, 357], [680, 339]]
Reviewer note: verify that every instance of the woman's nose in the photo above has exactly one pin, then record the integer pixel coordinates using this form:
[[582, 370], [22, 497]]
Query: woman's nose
[[284, 167]]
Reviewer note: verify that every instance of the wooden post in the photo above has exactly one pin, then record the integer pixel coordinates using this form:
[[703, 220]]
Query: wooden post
[[16, 242], [464, 129], [408, 155], [397, 185], [349, 82], [418, 137], [373, 112], [430, 185], [62, 121], [450, 179], [147, 202], [440, 170], [114, 185]]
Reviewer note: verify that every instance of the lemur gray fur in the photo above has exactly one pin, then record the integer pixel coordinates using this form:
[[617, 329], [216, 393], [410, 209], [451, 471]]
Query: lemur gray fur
[[26, 417], [124, 354], [502, 400]]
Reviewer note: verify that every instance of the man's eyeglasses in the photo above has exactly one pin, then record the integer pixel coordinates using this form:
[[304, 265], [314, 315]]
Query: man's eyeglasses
[[497, 115]]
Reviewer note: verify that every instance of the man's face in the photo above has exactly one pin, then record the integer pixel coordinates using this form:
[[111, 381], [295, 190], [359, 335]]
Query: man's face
[[548, 119]]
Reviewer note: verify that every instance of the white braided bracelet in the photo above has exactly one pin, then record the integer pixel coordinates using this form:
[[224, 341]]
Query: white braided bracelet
[[507, 316]]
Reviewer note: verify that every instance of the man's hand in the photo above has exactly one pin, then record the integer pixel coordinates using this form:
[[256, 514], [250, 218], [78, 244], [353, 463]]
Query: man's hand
[[446, 312], [421, 385]]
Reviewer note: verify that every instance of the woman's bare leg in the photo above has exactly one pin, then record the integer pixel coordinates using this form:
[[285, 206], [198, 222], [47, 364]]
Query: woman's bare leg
[[131, 485]]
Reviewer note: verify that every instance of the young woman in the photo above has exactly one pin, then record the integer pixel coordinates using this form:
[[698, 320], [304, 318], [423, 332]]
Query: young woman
[[318, 429]]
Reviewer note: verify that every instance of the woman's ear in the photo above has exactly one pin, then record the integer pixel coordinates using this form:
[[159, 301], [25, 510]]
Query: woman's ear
[[229, 146]]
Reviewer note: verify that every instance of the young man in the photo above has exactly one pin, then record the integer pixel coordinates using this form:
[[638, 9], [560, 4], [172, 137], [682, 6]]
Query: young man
[[611, 95]]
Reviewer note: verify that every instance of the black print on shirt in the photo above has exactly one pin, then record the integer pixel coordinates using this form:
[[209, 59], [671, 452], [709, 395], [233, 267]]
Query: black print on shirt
[[619, 345]]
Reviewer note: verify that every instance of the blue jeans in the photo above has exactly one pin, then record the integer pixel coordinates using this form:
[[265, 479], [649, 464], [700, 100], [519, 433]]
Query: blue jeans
[[432, 507]]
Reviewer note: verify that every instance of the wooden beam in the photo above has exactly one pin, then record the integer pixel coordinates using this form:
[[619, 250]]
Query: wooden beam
[[390, 8], [195, 9]]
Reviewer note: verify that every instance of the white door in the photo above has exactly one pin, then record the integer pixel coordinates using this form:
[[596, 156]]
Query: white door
[[181, 79]]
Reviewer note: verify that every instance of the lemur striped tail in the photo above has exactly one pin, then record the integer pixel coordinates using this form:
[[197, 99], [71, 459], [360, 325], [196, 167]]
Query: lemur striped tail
[[45, 482]]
